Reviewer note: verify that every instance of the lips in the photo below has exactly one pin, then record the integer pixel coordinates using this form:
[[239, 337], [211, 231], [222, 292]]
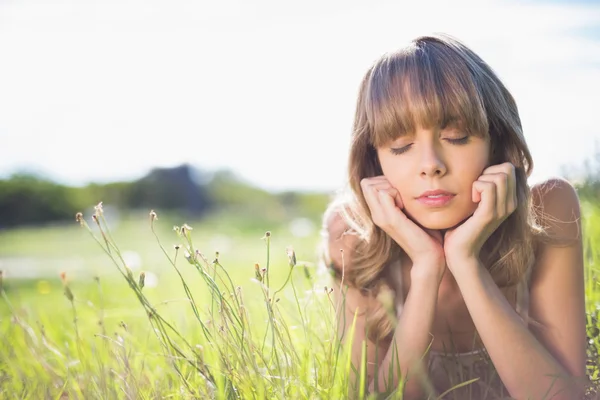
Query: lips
[[435, 193], [435, 198]]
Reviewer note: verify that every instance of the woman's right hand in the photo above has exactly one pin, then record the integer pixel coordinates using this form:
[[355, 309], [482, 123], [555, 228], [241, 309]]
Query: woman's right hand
[[423, 246]]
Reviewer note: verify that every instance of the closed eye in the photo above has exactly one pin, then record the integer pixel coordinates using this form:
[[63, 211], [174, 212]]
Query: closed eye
[[463, 140], [400, 150]]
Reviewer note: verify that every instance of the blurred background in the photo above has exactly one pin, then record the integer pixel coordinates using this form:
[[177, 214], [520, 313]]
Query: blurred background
[[234, 116]]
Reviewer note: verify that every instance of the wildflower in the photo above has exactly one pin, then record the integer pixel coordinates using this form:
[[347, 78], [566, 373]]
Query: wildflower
[[267, 235], [291, 256], [99, 209], [176, 229], [142, 279], [68, 292], [129, 272], [79, 218], [188, 257], [153, 216], [306, 272], [177, 247], [185, 229], [257, 272]]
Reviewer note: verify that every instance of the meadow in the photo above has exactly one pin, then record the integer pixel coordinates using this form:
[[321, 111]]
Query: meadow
[[141, 306]]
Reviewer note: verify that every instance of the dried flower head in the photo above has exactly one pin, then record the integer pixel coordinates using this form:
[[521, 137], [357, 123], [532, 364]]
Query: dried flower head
[[185, 229], [129, 272], [68, 293], [142, 279], [291, 256], [153, 215], [79, 218], [257, 274], [176, 246], [99, 209], [267, 235]]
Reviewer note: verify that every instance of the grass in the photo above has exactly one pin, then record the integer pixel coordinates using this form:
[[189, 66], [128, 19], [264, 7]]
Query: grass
[[251, 321]]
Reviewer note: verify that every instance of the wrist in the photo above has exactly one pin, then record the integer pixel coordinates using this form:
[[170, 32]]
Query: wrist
[[464, 267], [426, 274]]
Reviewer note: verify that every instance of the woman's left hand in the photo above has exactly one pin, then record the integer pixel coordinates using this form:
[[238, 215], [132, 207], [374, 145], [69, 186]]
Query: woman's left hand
[[495, 191]]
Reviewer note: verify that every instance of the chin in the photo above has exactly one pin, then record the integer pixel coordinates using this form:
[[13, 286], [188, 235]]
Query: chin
[[439, 220]]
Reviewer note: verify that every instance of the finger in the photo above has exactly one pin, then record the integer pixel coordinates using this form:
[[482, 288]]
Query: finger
[[500, 179], [384, 184], [373, 179], [504, 167], [486, 192], [395, 194], [372, 199], [388, 206]]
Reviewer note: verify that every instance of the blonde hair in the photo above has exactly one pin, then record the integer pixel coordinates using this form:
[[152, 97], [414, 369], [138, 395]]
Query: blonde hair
[[433, 81]]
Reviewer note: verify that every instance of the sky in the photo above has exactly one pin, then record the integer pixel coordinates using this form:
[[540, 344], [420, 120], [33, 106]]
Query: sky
[[106, 90]]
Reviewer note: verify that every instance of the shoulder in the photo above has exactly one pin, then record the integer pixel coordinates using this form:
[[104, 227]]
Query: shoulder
[[339, 237], [557, 210]]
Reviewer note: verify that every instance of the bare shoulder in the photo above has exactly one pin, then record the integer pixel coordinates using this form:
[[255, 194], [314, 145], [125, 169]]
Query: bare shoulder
[[340, 239], [557, 209]]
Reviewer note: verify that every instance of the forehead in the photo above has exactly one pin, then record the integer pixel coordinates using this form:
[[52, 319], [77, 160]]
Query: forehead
[[411, 91]]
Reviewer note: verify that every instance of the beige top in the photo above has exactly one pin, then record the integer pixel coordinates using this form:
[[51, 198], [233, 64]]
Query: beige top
[[447, 370]]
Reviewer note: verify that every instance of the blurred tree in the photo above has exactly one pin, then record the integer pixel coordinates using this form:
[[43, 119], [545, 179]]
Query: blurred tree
[[26, 199]]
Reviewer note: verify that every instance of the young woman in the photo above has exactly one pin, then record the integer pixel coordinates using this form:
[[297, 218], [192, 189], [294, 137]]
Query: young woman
[[453, 267]]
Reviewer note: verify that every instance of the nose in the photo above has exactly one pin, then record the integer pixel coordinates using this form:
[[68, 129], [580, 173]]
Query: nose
[[432, 163]]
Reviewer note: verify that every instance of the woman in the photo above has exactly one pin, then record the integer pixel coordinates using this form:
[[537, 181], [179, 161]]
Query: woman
[[453, 267]]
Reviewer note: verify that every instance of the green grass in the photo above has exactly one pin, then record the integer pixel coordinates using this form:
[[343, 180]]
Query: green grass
[[206, 328]]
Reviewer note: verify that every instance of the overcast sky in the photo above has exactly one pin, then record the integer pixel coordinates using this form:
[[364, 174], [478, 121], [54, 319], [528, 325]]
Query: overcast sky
[[105, 90]]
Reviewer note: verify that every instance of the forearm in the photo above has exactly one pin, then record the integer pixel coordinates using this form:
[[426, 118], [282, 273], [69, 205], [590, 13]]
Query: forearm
[[526, 368], [405, 356]]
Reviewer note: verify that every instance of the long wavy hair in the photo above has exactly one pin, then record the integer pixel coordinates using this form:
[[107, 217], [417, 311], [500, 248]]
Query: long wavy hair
[[433, 80]]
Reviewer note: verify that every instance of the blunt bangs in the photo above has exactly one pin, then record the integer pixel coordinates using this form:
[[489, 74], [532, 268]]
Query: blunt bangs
[[425, 85]]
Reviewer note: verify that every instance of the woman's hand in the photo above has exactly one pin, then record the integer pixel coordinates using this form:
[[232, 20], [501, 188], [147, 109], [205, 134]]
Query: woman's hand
[[424, 247], [495, 191]]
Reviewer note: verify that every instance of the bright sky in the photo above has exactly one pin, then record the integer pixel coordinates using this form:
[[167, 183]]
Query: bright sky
[[107, 89]]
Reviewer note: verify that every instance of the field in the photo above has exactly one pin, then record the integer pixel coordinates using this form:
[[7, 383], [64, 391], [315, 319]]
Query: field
[[143, 310]]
